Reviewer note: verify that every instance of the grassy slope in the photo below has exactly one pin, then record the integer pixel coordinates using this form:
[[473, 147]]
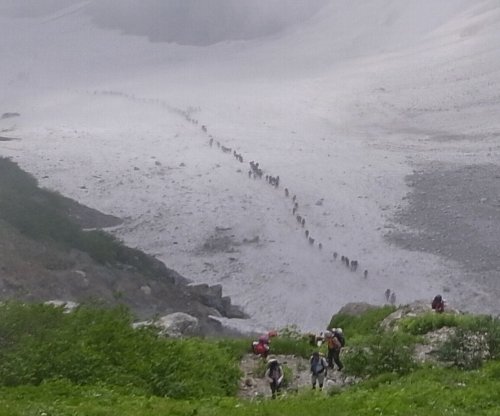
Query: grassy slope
[[92, 363], [426, 392], [43, 216]]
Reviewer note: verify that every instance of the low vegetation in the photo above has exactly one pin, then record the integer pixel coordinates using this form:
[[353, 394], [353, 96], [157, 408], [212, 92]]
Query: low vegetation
[[92, 362], [42, 215]]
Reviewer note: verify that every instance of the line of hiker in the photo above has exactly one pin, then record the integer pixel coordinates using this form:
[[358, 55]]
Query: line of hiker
[[256, 172], [319, 365], [390, 297]]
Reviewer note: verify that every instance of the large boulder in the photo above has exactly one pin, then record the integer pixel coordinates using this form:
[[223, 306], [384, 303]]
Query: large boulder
[[355, 308], [177, 324], [419, 307]]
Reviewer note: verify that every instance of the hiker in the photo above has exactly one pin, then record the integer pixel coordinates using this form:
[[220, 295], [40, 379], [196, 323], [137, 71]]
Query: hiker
[[438, 304], [319, 368], [335, 341], [262, 347], [393, 298], [274, 374]]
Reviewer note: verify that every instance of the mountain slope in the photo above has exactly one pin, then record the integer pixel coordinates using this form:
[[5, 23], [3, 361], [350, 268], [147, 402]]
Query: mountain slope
[[348, 105]]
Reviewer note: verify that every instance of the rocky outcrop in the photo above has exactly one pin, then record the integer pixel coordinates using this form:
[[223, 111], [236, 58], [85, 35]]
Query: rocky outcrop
[[416, 308], [212, 297], [355, 308], [174, 325]]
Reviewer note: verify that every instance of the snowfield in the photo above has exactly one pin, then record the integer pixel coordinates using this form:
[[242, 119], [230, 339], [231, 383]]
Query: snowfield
[[348, 103]]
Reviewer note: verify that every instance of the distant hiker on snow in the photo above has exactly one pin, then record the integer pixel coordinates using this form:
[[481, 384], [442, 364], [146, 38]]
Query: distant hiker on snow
[[274, 374], [438, 304], [319, 368], [335, 341], [392, 299]]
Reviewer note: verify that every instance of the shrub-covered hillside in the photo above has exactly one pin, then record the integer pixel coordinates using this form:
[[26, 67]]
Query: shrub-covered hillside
[[50, 249], [92, 362]]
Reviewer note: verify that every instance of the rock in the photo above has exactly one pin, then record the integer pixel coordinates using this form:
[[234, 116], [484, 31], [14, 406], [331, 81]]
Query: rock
[[9, 115], [177, 324], [249, 382], [416, 308], [355, 308], [211, 296], [67, 305], [146, 290]]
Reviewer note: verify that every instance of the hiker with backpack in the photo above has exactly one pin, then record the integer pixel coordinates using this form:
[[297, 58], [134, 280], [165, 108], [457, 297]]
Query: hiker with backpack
[[319, 368], [274, 374], [335, 341], [438, 304], [262, 347]]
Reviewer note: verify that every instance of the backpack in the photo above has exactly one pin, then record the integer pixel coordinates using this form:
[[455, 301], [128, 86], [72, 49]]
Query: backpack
[[334, 343], [436, 301], [274, 370], [340, 337], [315, 364]]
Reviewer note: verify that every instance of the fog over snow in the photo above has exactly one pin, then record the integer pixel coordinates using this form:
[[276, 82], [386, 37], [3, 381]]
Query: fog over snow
[[354, 104]]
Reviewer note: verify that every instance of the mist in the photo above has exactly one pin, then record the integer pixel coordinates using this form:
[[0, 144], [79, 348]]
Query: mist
[[185, 22]]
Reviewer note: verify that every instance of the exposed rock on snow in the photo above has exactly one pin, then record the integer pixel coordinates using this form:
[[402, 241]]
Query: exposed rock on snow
[[67, 305]]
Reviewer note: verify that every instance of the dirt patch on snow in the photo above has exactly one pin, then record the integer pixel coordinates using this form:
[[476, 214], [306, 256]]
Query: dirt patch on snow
[[454, 212]]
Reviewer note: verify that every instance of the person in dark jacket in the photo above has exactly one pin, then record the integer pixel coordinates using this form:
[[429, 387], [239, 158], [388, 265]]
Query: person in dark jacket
[[274, 374], [438, 304]]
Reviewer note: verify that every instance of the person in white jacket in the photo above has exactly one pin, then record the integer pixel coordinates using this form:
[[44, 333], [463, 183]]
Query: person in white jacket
[[274, 374]]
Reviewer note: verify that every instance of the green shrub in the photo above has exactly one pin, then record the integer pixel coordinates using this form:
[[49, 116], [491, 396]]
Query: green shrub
[[433, 321], [91, 346], [464, 349], [383, 353], [366, 324], [489, 327], [291, 346]]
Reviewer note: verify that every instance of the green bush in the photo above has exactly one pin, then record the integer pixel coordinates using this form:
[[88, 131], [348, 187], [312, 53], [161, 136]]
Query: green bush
[[366, 324], [383, 353], [433, 321], [464, 349], [489, 327], [292, 346], [91, 346]]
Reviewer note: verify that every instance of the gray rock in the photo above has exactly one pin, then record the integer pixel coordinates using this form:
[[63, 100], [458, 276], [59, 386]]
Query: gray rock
[[177, 324]]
